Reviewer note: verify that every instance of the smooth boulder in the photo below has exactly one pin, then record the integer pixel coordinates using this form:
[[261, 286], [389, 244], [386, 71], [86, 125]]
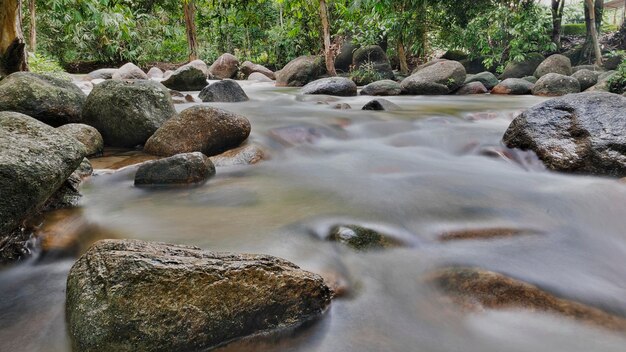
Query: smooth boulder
[[224, 67], [50, 100], [382, 88], [181, 169], [127, 113], [556, 63], [35, 160], [225, 91], [472, 88], [186, 77], [248, 68], [579, 133], [380, 105], [199, 129], [554, 85], [102, 73], [129, 295], [526, 67], [129, 71], [87, 135], [338, 86], [155, 72], [301, 71], [442, 77], [488, 79], [513, 86], [372, 57], [259, 77], [586, 78]]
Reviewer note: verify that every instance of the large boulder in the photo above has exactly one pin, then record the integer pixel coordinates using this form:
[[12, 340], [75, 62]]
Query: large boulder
[[127, 113], [181, 169], [50, 100], [488, 79], [556, 63], [155, 72], [372, 58], [35, 160], [129, 71], [382, 88], [513, 86], [225, 91], [586, 78], [581, 133], [200, 65], [339, 86], [594, 68], [186, 77], [301, 71], [443, 77], [259, 77], [554, 85], [224, 67], [524, 68], [87, 135], [102, 73], [199, 129], [248, 68], [126, 295], [343, 60], [472, 88]]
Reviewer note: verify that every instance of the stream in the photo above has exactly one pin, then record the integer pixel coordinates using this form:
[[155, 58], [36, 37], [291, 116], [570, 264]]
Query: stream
[[437, 165]]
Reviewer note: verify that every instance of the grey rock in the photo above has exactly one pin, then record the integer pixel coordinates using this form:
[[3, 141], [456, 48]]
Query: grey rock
[[103, 73], [554, 84], [225, 91], [155, 72], [248, 68], [374, 57], [301, 71], [343, 60], [186, 77], [382, 88], [556, 63], [259, 77], [200, 65], [513, 86], [338, 86], [488, 79], [523, 68], [224, 67], [443, 77], [181, 169], [472, 88], [380, 105], [87, 135], [594, 68], [129, 71], [586, 78], [531, 79]]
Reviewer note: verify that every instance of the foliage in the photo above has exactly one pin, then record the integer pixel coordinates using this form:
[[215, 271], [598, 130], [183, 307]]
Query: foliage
[[617, 82], [39, 63], [576, 29], [365, 74]]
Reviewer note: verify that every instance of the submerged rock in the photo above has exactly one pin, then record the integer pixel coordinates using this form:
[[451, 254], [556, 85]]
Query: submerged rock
[[224, 67], [129, 71], [199, 129], [50, 100], [127, 113], [554, 85], [224, 91], [300, 71], [125, 295], [581, 133], [380, 105], [181, 169], [338, 86], [186, 77], [442, 77], [87, 135], [513, 86], [244, 155], [382, 88], [360, 238]]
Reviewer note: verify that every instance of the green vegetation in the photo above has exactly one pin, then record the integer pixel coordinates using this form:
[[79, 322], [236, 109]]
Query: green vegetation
[[617, 82], [578, 29]]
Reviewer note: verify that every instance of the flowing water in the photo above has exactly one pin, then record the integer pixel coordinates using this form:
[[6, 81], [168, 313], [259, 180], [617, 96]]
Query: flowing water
[[436, 165]]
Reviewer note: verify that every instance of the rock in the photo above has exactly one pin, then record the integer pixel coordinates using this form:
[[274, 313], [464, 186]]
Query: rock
[[580, 133], [200, 65], [455, 55], [380, 105], [487, 79], [244, 155], [301, 71], [372, 57], [224, 67], [343, 60], [524, 68], [127, 113], [248, 68], [342, 106], [443, 77], [35, 160], [155, 72], [360, 238], [472, 88], [167, 74], [606, 75], [225, 91], [87, 135], [531, 79], [83, 85], [186, 77], [612, 62], [586, 78], [338, 86], [126, 295], [513, 86], [476, 65], [129, 71], [181, 169], [594, 68], [554, 64], [50, 100], [428, 64], [382, 88], [103, 73], [554, 84], [199, 129], [257, 76]]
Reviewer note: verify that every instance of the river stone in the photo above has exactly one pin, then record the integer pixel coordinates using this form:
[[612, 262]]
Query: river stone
[[488, 79], [360, 238], [594, 68], [338, 86], [259, 77], [554, 84], [301, 71], [199, 129], [382, 88], [372, 57], [224, 67], [129, 71], [380, 105], [35, 160], [513, 86], [103, 73], [127, 113], [181, 169], [343, 60], [527, 67], [472, 88], [531, 79], [200, 65], [129, 295], [586, 78], [50, 100], [580, 133], [87, 135], [225, 91], [443, 77], [243, 155], [248, 68], [155, 72], [428, 64], [186, 77], [556, 63]]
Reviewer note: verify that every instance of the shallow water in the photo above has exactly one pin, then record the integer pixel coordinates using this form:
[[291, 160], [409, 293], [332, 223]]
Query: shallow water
[[437, 165]]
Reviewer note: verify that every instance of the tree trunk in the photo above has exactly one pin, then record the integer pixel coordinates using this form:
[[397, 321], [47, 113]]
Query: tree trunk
[[557, 20], [189, 8], [32, 38], [328, 52], [12, 47], [592, 28], [404, 65]]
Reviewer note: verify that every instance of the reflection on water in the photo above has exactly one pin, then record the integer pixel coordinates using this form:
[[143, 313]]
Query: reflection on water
[[437, 166]]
